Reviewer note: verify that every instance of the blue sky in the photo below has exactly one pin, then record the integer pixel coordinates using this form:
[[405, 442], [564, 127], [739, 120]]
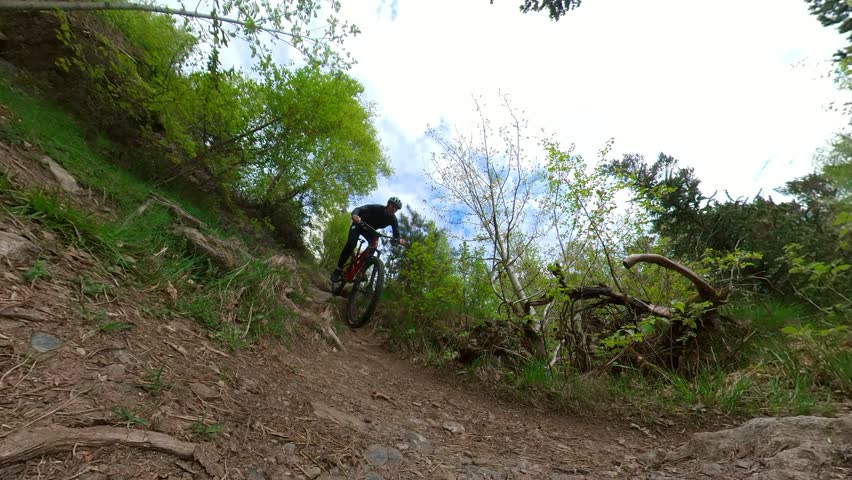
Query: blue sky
[[739, 91]]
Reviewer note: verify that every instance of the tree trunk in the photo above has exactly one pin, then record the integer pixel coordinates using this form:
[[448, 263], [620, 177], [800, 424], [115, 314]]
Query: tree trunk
[[60, 5]]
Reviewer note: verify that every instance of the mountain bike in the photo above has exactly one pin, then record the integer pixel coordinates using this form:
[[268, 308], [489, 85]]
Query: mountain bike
[[366, 272]]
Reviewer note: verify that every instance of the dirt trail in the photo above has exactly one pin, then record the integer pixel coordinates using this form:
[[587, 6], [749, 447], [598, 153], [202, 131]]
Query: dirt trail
[[445, 431]]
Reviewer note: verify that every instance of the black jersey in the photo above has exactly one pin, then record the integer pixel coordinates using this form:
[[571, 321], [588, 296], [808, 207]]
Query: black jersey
[[377, 217]]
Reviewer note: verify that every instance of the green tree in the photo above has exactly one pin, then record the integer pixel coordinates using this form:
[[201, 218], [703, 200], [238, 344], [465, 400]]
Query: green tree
[[334, 235], [302, 25], [692, 223], [431, 291], [314, 141], [477, 298], [556, 9], [834, 13]]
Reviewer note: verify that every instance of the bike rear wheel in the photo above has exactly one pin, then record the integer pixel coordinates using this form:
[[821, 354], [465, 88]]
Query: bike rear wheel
[[366, 290]]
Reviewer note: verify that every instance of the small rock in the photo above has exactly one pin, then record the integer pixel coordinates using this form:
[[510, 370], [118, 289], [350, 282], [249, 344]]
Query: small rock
[[711, 469], [15, 247], [43, 342], [453, 427], [652, 458], [394, 456], [203, 391], [418, 442], [115, 372], [377, 455], [745, 464], [250, 385], [318, 296], [255, 474], [123, 356], [373, 476], [313, 472], [66, 181]]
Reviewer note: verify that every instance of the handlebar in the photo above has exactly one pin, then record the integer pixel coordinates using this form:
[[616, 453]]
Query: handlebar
[[368, 227]]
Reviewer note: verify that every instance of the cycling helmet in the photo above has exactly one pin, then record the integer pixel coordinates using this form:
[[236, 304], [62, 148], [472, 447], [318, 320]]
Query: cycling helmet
[[395, 202]]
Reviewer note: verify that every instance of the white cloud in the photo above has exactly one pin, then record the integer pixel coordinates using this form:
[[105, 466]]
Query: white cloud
[[736, 89]]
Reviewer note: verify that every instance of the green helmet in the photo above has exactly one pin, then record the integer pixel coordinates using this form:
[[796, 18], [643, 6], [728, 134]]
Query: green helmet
[[395, 202]]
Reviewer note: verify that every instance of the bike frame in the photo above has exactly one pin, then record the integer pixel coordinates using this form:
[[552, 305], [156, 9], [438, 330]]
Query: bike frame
[[359, 258]]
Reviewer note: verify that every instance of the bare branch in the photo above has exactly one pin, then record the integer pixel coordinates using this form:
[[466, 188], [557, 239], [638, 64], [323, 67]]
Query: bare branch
[[706, 290], [126, 6]]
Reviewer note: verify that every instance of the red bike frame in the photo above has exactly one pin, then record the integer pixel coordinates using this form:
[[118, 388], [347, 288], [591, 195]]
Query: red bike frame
[[358, 259]]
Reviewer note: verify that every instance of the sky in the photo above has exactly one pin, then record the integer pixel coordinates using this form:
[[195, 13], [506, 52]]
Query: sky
[[740, 90]]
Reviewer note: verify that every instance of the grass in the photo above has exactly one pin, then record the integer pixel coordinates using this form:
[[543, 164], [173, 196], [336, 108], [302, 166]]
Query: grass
[[239, 306], [153, 381], [53, 130], [768, 316], [203, 431], [127, 416], [111, 326], [37, 272]]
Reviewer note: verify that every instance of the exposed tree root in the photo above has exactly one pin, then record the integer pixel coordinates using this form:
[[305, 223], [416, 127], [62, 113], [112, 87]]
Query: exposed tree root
[[22, 446]]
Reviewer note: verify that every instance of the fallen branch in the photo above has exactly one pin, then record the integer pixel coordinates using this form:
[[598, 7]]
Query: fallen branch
[[611, 296], [29, 444], [21, 314], [705, 290], [182, 215]]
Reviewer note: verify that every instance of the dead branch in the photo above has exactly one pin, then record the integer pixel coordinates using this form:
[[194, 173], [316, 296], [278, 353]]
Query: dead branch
[[64, 5], [612, 297], [21, 314], [23, 446], [182, 215], [705, 290]]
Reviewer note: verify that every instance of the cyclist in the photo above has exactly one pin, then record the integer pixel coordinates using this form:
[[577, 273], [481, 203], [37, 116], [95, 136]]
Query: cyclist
[[375, 215]]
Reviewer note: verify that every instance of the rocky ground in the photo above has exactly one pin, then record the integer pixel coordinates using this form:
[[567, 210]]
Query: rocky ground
[[96, 384]]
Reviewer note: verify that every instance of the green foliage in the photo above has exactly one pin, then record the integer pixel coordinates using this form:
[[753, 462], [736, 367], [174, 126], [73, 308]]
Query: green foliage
[[693, 223], [274, 143], [204, 431], [534, 373], [125, 415], [52, 129], [93, 288], [315, 140], [71, 223], [153, 381], [769, 316], [241, 305], [477, 298], [823, 285], [556, 9], [834, 13], [825, 353], [334, 235], [112, 326], [37, 271]]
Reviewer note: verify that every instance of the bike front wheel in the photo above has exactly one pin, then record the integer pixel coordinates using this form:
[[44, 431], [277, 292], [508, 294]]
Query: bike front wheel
[[366, 290]]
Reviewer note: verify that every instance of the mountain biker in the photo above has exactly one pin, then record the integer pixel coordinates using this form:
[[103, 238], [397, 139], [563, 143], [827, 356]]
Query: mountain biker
[[375, 215]]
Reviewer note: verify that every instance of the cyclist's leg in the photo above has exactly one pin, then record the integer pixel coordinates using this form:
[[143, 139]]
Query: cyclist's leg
[[354, 232], [372, 238]]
